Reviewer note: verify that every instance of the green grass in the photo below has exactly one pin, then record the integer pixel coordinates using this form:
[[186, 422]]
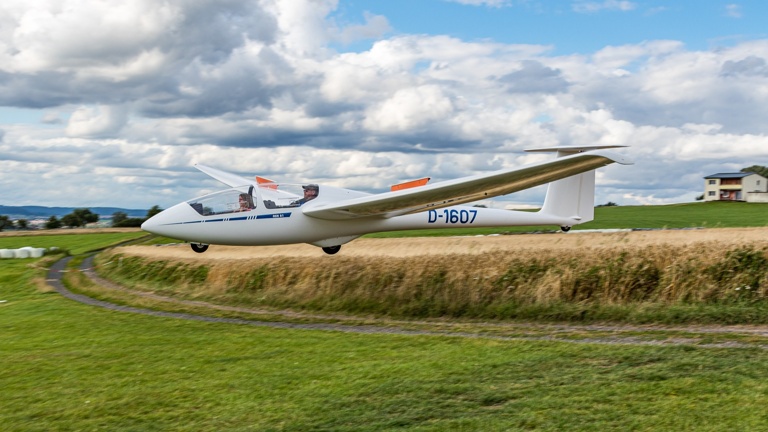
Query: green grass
[[73, 243], [716, 214], [692, 215], [67, 366]]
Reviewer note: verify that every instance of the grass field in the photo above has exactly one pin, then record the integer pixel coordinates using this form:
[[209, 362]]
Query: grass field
[[71, 367], [68, 366], [71, 243]]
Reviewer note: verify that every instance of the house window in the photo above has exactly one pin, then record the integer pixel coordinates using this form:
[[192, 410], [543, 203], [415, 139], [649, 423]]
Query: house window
[[711, 193], [713, 182]]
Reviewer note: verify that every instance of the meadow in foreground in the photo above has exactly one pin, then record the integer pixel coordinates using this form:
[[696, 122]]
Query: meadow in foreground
[[69, 366]]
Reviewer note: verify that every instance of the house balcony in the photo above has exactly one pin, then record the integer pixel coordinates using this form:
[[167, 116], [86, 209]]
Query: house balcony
[[737, 187]]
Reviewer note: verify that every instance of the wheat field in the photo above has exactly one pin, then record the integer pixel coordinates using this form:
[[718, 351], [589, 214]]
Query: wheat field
[[439, 246], [560, 276]]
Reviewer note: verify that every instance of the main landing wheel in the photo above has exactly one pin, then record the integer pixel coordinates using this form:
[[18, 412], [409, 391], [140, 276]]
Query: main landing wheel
[[199, 247], [565, 228], [330, 250]]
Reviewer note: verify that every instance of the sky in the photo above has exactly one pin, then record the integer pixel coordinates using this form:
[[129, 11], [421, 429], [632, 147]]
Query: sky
[[111, 103]]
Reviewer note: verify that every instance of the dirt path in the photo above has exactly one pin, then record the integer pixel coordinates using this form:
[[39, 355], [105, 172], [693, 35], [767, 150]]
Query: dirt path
[[698, 336]]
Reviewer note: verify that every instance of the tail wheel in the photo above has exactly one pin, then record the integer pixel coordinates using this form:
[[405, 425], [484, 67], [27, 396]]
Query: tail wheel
[[330, 250], [199, 247], [565, 228]]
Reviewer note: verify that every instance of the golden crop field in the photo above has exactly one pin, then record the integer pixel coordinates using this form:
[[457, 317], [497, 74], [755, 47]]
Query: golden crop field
[[438, 246], [555, 276]]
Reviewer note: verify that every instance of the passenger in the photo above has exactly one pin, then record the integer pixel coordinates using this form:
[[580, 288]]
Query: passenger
[[310, 193], [245, 203]]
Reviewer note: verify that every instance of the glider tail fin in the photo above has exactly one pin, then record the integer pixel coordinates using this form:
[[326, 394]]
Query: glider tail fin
[[572, 198]]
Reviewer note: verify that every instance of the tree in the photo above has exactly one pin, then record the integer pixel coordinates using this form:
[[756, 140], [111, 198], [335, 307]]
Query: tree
[[5, 222], [79, 218], [71, 220], [53, 223], [757, 169], [22, 224], [86, 216], [129, 223], [118, 217], [153, 211]]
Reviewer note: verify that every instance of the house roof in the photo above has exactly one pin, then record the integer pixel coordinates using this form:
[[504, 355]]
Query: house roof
[[729, 175]]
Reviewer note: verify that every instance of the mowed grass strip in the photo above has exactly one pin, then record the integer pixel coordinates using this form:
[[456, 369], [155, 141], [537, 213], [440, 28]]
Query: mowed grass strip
[[68, 366]]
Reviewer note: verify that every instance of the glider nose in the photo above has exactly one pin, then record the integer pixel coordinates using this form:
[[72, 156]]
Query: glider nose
[[164, 222], [151, 224]]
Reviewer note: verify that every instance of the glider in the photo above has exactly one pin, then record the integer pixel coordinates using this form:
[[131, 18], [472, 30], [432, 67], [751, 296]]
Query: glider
[[265, 212]]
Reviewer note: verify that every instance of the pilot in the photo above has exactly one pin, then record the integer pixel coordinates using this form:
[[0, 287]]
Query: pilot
[[310, 193]]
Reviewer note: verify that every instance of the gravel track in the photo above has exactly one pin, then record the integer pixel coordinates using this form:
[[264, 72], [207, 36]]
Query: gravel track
[[603, 334]]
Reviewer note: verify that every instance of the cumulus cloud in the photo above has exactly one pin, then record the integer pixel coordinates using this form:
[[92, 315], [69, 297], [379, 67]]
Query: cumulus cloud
[[97, 121], [749, 66], [138, 92], [82, 51], [533, 77]]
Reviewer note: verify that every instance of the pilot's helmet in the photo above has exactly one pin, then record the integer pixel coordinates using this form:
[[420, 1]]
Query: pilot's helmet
[[313, 187]]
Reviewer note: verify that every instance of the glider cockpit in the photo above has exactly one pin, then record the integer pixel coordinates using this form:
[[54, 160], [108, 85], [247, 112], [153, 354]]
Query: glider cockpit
[[247, 198]]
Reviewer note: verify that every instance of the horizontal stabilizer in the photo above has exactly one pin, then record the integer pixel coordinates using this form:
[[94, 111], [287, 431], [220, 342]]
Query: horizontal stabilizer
[[569, 150]]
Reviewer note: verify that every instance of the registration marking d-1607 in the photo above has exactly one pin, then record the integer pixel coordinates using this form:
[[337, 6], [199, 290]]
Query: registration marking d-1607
[[452, 216]]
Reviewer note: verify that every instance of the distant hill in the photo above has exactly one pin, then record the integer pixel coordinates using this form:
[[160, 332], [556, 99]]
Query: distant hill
[[36, 212]]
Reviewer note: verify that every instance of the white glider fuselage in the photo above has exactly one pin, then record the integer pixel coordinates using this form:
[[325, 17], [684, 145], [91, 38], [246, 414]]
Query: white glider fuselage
[[261, 226], [268, 213]]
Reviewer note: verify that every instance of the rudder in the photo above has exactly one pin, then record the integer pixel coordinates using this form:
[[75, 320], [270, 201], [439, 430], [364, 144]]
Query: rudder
[[572, 198]]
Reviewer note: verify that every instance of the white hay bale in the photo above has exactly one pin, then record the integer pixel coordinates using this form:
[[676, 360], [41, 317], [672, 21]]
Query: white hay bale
[[21, 253], [32, 252], [6, 253]]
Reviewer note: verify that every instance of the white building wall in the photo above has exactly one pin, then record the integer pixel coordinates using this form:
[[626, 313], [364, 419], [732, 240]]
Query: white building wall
[[754, 183], [711, 189]]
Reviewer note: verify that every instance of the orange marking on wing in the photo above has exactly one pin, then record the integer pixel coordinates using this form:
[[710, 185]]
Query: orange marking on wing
[[410, 184]]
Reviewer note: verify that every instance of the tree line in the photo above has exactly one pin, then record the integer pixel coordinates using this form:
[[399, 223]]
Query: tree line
[[757, 169], [79, 218]]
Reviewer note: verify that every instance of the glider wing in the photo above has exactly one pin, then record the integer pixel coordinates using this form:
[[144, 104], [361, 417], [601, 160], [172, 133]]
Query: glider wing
[[462, 190]]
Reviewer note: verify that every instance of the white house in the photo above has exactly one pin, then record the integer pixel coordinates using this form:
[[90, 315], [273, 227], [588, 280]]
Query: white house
[[749, 187]]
